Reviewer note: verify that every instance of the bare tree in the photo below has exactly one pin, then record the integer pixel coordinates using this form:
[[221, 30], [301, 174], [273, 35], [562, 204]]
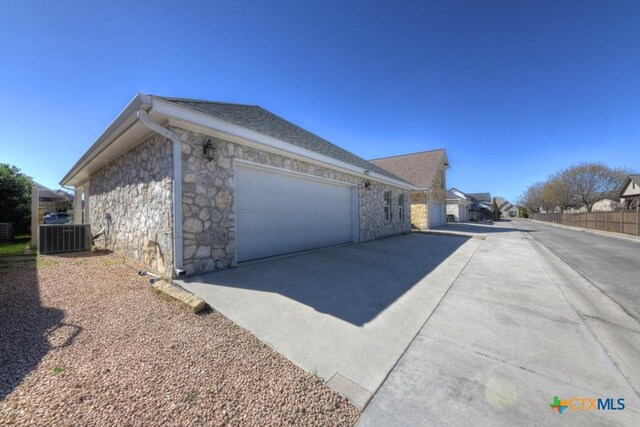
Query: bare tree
[[532, 197], [591, 182], [558, 191], [62, 204]]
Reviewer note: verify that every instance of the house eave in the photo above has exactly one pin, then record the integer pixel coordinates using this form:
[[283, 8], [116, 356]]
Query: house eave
[[122, 122]]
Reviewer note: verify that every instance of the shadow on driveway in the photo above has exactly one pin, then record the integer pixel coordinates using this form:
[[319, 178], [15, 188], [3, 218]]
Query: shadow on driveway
[[354, 283], [470, 227]]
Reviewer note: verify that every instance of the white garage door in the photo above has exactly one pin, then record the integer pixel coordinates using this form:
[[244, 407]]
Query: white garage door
[[278, 213], [436, 214]]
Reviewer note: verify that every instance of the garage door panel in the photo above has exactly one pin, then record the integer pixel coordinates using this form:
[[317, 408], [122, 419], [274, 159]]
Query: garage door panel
[[280, 213], [268, 224], [436, 214]]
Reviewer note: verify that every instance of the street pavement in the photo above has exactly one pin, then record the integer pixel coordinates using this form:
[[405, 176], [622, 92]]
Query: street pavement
[[611, 264], [516, 329]]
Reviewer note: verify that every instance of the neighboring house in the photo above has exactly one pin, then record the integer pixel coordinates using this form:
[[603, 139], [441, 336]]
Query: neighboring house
[[427, 171], [458, 205], [604, 205], [51, 201], [188, 186], [630, 192], [507, 210], [481, 206], [511, 212]]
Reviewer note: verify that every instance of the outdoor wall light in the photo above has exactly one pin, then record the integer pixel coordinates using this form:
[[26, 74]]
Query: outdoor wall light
[[367, 184], [209, 150]]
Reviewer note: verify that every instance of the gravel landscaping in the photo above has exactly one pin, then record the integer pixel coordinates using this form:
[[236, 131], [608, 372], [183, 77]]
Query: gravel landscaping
[[84, 341]]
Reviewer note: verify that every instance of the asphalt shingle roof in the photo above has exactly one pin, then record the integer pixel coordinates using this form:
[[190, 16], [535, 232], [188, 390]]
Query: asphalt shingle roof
[[451, 196], [481, 196], [417, 168], [260, 120]]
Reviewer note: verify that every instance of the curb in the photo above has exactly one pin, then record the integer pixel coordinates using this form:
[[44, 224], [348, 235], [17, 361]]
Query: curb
[[452, 234], [619, 236]]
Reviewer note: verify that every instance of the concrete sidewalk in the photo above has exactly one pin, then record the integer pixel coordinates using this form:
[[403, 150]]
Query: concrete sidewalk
[[501, 344]]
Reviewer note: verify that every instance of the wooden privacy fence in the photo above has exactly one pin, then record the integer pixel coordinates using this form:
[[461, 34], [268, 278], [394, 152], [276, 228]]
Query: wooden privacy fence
[[626, 222]]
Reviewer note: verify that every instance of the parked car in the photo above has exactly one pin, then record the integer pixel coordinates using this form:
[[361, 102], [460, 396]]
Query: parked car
[[57, 218]]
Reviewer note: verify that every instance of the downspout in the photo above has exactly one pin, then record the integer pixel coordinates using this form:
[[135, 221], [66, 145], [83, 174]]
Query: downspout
[[176, 164]]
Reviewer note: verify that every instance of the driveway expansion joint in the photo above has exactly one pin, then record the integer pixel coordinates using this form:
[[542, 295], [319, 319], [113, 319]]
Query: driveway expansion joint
[[349, 389]]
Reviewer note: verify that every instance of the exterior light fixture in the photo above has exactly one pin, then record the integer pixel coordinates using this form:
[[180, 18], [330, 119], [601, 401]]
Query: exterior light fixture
[[209, 150]]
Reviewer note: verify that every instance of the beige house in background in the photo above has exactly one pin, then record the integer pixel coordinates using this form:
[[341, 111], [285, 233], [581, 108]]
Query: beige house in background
[[458, 205], [426, 170], [604, 205], [630, 192]]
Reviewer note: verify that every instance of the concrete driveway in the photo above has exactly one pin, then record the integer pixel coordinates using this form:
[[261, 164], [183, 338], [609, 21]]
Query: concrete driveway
[[346, 314]]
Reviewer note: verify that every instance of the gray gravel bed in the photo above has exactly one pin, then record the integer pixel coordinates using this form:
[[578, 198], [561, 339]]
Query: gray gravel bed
[[84, 341]]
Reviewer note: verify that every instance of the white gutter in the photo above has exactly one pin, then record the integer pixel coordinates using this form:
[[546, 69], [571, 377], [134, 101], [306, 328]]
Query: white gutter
[[176, 164]]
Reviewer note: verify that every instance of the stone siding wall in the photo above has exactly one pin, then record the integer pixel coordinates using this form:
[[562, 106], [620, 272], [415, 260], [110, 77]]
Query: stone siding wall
[[373, 224], [136, 190], [208, 200], [419, 211]]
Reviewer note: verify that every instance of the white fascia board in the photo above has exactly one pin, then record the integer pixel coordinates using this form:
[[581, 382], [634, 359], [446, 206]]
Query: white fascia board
[[121, 123], [281, 171], [261, 141]]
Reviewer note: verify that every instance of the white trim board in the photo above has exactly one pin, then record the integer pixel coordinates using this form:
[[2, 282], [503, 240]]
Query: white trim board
[[285, 171]]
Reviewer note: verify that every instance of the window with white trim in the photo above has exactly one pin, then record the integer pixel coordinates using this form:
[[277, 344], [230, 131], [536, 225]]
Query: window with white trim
[[387, 205], [401, 207]]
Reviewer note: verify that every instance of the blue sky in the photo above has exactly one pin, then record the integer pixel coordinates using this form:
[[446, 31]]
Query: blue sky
[[513, 90]]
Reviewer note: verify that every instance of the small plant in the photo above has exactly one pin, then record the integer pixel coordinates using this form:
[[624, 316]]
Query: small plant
[[192, 398], [57, 370], [113, 261], [46, 262], [79, 263]]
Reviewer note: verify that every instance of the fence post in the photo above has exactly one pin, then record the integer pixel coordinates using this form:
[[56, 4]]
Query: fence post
[[606, 220], [35, 228], [637, 206], [621, 221]]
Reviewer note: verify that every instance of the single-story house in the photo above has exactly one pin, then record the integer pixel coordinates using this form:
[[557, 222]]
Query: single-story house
[[604, 205], [427, 171], [187, 186], [458, 204], [630, 192]]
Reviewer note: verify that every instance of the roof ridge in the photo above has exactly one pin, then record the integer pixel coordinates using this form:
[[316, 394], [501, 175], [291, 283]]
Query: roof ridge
[[178, 99], [270, 113], [410, 154]]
